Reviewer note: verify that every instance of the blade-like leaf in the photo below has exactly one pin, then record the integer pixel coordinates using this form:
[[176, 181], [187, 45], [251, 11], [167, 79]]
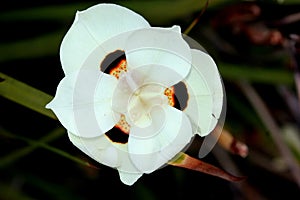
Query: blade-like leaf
[[40, 46], [153, 11], [25, 95], [235, 72]]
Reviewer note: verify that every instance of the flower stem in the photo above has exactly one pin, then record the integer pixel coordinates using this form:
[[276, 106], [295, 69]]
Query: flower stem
[[196, 20], [35, 144], [15, 155]]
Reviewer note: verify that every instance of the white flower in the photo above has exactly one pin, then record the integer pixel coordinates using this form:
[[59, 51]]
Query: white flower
[[133, 96]]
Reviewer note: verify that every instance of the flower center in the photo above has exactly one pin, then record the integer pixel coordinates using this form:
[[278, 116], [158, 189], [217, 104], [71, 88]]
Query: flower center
[[142, 98], [142, 101]]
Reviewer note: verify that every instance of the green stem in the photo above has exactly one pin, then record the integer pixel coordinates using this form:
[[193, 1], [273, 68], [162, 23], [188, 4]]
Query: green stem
[[196, 20], [15, 155], [39, 144]]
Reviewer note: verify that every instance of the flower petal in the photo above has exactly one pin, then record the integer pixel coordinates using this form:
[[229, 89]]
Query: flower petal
[[205, 93], [98, 148], [83, 103], [153, 146], [129, 178], [91, 28], [209, 69], [107, 153], [159, 46]]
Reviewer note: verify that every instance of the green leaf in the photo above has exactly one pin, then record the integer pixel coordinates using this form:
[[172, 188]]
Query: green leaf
[[235, 72], [58, 13], [44, 45], [153, 11], [25, 95]]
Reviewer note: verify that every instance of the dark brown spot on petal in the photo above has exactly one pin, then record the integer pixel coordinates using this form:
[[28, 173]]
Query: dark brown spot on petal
[[120, 132], [117, 135], [181, 96], [114, 63]]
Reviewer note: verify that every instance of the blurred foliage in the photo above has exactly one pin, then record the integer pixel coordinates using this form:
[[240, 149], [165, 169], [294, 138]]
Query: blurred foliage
[[31, 142]]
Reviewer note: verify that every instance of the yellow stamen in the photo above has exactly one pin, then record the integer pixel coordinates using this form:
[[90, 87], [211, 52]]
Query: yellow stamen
[[170, 93], [123, 125], [121, 67]]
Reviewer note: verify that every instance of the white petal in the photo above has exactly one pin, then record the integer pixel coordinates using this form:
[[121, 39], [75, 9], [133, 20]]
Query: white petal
[[77, 141], [163, 47], [129, 178], [98, 148], [91, 28], [209, 69], [110, 154], [153, 146], [83, 103], [205, 93]]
